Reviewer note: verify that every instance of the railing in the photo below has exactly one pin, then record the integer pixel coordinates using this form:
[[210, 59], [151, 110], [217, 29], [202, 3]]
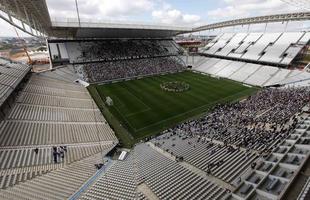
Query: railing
[[304, 191], [134, 77], [307, 67], [92, 180]]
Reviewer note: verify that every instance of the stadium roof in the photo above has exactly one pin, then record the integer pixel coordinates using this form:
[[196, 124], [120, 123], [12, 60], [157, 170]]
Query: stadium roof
[[32, 13], [36, 15], [300, 16], [89, 29]]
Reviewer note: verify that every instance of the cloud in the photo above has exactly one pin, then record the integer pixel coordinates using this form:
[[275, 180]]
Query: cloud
[[227, 12], [99, 9], [125, 7], [168, 15], [247, 8], [121, 9], [160, 10], [191, 18]]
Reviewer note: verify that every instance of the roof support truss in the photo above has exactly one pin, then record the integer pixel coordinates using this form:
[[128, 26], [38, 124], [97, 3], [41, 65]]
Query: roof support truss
[[34, 13], [256, 20]]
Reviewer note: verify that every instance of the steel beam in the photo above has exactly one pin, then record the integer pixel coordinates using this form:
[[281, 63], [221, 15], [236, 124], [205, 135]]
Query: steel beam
[[16, 25], [302, 16], [28, 19]]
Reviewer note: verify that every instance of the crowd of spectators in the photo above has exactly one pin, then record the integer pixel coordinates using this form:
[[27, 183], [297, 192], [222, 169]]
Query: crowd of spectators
[[106, 60], [108, 50], [259, 122], [123, 69]]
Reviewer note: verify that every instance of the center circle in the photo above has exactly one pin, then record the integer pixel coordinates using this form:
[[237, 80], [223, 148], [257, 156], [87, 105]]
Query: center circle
[[174, 86]]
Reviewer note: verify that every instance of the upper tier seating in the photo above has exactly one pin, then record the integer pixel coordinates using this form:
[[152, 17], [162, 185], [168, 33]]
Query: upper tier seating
[[219, 43], [279, 48], [254, 52], [274, 53], [235, 41], [109, 50], [248, 41]]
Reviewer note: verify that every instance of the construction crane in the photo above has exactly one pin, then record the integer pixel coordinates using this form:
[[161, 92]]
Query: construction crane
[[30, 62]]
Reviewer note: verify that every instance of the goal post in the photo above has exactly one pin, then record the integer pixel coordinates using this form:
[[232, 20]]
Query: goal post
[[109, 101]]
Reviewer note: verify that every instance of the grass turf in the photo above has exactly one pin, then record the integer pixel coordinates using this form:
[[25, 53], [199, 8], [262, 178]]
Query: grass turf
[[307, 58], [144, 109]]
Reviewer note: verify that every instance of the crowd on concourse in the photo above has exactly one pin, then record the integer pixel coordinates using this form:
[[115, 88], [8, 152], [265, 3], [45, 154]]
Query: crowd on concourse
[[106, 71], [259, 122], [107, 50]]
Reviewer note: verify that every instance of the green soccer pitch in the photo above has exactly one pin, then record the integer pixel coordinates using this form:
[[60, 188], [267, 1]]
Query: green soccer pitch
[[141, 108]]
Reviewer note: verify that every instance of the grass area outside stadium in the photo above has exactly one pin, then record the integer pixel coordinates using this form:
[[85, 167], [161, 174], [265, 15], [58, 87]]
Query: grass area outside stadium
[[141, 108]]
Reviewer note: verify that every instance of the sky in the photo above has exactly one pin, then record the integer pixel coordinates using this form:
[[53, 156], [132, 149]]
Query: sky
[[174, 12]]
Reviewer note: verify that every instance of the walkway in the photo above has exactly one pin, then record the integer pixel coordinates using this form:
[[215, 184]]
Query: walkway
[[146, 190], [92, 180]]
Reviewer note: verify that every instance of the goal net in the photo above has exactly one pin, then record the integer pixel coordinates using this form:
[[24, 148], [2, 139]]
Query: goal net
[[109, 101]]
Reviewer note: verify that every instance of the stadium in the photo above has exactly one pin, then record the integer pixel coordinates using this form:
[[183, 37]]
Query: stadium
[[156, 111]]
